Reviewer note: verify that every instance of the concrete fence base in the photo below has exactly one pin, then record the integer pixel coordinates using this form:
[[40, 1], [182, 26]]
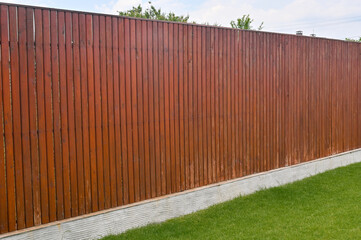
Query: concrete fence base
[[118, 220]]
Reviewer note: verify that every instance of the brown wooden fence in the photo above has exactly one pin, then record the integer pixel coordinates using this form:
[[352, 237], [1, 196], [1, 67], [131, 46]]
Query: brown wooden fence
[[98, 111]]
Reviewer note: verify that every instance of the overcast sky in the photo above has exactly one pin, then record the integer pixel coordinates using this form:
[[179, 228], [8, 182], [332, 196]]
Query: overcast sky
[[326, 18]]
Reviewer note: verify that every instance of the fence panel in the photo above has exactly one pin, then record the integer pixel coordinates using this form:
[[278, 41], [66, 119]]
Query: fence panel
[[99, 111]]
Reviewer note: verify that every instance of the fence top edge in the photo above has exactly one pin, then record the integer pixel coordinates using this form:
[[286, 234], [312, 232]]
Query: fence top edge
[[179, 23]]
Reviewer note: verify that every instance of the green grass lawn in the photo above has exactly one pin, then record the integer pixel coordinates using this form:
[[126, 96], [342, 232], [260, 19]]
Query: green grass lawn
[[326, 206]]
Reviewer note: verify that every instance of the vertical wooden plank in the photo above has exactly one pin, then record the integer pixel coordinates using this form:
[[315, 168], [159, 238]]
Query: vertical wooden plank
[[232, 104], [146, 112], [162, 88], [340, 102], [98, 113], [275, 103], [201, 154], [242, 91], [39, 56], [12, 101], [269, 155], [92, 121], [268, 102], [289, 107], [171, 113], [30, 44], [134, 104], [351, 93], [85, 111], [196, 127], [123, 105], [339, 79], [237, 103], [208, 104], [277, 97], [309, 134], [220, 107], [151, 104], [186, 107], [181, 86], [203, 115], [248, 100], [226, 101], [177, 149], [296, 138], [317, 85], [128, 81], [78, 114], [255, 67], [157, 107], [345, 103], [311, 106], [262, 102], [217, 104], [349, 100], [230, 79], [64, 115], [294, 129], [71, 120], [191, 106], [56, 112], [254, 103], [258, 89], [116, 91], [4, 224], [166, 79], [354, 95], [104, 108], [326, 99], [212, 107], [139, 105], [48, 117], [283, 102], [341, 84], [21, 59], [243, 102], [322, 98], [193, 130], [110, 98]]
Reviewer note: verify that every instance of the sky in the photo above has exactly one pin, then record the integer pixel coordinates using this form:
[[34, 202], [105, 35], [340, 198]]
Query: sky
[[337, 19]]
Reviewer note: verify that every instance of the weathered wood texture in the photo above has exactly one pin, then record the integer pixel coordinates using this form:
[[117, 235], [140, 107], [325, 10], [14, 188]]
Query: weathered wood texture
[[98, 111]]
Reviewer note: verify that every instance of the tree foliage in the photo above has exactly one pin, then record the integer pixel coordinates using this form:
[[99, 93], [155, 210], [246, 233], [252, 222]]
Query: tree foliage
[[153, 13], [245, 23], [353, 40]]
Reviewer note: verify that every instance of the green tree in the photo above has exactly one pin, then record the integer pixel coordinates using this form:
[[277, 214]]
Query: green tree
[[353, 40], [245, 23], [153, 13]]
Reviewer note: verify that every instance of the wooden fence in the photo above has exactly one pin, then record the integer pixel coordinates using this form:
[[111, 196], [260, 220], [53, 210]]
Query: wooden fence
[[98, 111]]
